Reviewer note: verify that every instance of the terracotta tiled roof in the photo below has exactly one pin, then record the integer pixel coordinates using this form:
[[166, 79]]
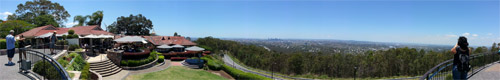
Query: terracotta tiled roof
[[80, 30], [169, 40]]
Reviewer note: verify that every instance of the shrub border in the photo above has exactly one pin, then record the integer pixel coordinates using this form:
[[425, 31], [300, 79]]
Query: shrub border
[[150, 64]]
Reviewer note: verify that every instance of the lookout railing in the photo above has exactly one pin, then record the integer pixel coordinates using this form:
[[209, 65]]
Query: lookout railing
[[444, 69], [42, 62]]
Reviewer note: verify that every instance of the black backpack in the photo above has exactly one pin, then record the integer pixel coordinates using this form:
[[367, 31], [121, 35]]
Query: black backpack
[[463, 64]]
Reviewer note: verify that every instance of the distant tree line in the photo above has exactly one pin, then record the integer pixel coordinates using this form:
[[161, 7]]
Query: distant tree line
[[386, 63]]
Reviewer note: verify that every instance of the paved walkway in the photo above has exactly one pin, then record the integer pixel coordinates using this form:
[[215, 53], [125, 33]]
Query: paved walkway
[[233, 64], [490, 73], [10, 72], [155, 68], [98, 58]]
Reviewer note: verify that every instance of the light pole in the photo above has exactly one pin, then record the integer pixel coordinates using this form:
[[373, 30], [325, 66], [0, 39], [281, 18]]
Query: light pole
[[355, 70], [272, 70]]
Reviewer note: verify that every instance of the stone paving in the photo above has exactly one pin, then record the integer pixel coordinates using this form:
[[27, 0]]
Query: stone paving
[[10, 72], [490, 73]]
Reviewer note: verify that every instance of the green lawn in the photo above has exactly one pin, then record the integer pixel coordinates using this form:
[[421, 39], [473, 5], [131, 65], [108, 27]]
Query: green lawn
[[177, 73]]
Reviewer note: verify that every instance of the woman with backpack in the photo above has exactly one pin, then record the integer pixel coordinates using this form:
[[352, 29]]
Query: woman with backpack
[[461, 53]]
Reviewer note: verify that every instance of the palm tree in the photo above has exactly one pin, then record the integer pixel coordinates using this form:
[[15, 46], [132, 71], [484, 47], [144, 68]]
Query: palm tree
[[96, 18], [80, 19]]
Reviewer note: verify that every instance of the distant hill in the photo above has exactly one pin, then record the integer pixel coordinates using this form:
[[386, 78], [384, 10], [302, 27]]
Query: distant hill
[[332, 46]]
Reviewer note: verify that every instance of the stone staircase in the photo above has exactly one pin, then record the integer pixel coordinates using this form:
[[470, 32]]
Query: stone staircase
[[105, 68], [189, 65]]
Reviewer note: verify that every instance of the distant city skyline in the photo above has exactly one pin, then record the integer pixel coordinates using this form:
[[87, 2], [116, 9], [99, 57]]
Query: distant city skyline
[[407, 21]]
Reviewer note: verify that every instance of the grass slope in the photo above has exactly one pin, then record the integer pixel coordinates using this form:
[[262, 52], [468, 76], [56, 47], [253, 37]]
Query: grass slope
[[177, 73]]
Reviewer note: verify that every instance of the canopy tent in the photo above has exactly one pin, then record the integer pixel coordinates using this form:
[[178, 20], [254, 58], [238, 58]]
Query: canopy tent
[[164, 46], [177, 46], [195, 48], [130, 39]]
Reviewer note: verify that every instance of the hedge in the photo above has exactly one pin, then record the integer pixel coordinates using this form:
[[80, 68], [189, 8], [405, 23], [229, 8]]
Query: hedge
[[46, 69], [133, 63], [3, 44], [238, 74], [73, 47], [161, 59], [212, 64], [85, 75], [62, 42]]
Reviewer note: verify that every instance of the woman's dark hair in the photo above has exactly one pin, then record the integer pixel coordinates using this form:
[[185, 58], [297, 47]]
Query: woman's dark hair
[[22, 36], [462, 42]]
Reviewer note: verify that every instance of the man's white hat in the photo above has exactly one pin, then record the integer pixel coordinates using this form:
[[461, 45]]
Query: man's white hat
[[11, 31]]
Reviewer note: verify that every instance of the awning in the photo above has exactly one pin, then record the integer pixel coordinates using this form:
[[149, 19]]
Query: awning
[[50, 34], [164, 46], [195, 48], [177, 46], [98, 36], [130, 39], [105, 36]]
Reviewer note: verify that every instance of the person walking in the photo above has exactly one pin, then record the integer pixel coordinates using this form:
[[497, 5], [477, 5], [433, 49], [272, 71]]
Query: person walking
[[460, 59], [52, 43], [11, 47]]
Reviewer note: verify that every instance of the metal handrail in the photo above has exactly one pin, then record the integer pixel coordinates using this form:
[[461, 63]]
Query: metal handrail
[[64, 75], [446, 64]]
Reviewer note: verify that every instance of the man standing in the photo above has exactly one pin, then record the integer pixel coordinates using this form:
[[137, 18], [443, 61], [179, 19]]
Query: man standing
[[52, 43], [10, 47]]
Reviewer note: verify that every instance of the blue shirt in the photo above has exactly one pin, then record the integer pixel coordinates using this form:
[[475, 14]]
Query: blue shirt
[[11, 42]]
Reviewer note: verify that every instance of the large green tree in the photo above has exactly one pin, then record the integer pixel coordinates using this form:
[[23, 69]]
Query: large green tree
[[33, 9], [131, 25], [43, 20], [17, 25]]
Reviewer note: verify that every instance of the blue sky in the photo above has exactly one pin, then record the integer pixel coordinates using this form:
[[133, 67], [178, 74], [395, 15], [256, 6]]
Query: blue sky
[[428, 22]]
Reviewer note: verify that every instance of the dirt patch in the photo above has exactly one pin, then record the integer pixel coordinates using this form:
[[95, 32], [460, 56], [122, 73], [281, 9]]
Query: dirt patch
[[222, 73]]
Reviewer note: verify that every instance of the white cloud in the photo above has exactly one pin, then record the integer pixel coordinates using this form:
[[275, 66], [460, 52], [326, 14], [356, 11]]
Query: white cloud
[[466, 34], [70, 24], [451, 35], [5, 14], [489, 34], [474, 35]]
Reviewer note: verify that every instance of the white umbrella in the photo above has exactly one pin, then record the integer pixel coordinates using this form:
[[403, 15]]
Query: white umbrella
[[129, 39], [195, 48], [177, 46], [164, 46]]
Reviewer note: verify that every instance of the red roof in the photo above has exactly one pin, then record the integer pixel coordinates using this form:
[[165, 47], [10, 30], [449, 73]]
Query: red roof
[[80, 30], [168, 40]]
